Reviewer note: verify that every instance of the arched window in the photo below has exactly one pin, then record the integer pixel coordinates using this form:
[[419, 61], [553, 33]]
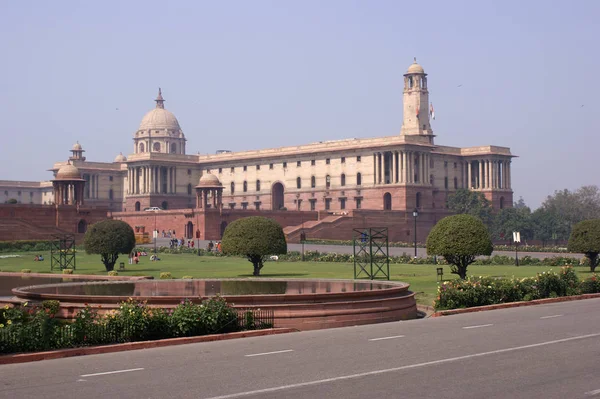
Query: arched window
[[387, 202], [137, 206], [232, 187], [189, 189], [327, 181], [141, 147], [173, 148], [358, 179], [258, 185], [110, 194], [165, 205], [418, 200], [313, 182], [245, 186], [410, 82], [298, 182], [156, 147], [343, 180]]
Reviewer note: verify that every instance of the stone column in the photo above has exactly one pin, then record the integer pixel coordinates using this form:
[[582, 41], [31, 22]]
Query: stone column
[[379, 168], [174, 180], [392, 167], [469, 175], [374, 168], [508, 175]]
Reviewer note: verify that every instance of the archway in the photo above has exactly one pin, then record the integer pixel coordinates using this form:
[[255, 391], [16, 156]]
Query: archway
[[387, 202], [82, 226], [164, 205], [277, 196], [223, 227], [189, 230], [137, 206]]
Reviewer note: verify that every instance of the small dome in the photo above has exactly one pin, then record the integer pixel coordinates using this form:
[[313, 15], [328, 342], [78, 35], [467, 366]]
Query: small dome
[[68, 172], [415, 68], [209, 180], [120, 158], [77, 147]]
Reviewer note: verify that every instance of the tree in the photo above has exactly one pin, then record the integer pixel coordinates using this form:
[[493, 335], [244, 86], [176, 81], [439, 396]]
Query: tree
[[473, 203], [254, 237], [585, 239], [109, 238], [459, 239], [547, 225], [508, 220]]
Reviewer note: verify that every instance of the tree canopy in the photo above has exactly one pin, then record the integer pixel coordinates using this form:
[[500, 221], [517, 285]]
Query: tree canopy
[[585, 239], [459, 239], [109, 238], [254, 237], [472, 203]]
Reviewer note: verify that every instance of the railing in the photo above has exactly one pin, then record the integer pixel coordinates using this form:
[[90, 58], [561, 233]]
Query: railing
[[33, 336]]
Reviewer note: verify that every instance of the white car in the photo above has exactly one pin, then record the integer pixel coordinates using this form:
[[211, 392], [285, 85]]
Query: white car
[[153, 208]]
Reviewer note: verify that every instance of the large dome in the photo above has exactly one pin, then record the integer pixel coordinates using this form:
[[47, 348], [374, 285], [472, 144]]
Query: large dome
[[159, 118]]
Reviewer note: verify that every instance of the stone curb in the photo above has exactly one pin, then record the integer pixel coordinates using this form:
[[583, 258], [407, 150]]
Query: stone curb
[[514, 304], [95, 350]]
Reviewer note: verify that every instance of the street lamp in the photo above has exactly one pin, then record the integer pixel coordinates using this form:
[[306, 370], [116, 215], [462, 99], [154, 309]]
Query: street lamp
[[415, 215], [197, 233], [517, 240], [302, 235]]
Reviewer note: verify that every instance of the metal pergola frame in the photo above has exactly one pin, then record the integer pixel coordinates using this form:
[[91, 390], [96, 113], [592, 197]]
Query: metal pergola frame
[[371, 249], [62, 252]]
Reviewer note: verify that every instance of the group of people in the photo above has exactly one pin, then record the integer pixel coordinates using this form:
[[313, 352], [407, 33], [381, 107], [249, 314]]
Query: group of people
[[168, 234], [38, 258], [216, 247], [134, 257]]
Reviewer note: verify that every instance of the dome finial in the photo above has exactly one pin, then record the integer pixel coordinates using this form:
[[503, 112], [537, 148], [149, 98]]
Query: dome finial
[[160, 102], [415, 58]]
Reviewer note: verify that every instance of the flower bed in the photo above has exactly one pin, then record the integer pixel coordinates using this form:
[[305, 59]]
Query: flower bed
[[34, 328], [482, 291]]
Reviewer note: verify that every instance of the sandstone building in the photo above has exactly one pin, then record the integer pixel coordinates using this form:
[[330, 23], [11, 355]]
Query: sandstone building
[[328, 187]]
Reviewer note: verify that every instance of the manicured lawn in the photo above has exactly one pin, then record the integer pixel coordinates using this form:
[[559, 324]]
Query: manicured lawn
[[421, 277]]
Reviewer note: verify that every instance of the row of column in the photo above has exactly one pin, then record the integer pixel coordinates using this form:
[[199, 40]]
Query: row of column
[[409, 167], [152, 180], [206, 196], [68, 193], [93, 185], [489, 174]]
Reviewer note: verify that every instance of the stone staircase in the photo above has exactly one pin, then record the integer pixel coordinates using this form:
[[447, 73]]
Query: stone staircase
[[13, 229], [323, 228]]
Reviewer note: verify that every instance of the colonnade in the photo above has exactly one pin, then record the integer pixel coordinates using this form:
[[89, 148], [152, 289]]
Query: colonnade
[[206, 196], [152, 180], [68, 192], [487, 174], [410, 167], [92, 186]]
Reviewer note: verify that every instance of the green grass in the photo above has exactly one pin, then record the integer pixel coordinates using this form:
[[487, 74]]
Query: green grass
[[422, 278]]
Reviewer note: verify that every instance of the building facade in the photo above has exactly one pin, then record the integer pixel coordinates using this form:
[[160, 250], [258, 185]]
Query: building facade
[[394, 174]]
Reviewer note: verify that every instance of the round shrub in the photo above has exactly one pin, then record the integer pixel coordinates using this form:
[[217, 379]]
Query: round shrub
[[165, 276], [113, 273], [67, 271]]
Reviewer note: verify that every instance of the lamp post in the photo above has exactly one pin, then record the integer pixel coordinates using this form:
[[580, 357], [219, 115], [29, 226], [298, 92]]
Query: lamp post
[[155, 232], [415, 215], [302, 236], [517, 240], [197, 234]]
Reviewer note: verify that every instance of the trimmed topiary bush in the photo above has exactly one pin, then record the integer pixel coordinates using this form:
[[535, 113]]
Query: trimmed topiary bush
[[25, 270], [109, 238], [113, 273], [187, 277], [256, 238], [459, 239], [585, 239], [67, 271], [165, 276]]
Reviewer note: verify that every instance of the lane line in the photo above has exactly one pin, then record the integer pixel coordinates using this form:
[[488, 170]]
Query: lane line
[[112, 372], [381, 339], [593, 393], [479, 326], [269, 353], [401, 368], [551, 317]]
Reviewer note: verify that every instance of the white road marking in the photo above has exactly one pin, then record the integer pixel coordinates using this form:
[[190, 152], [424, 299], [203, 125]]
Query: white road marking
[[551, 317], [593, 393], [81, 380], [111, 372], [381, 339], [270, 353], [479, 326], [407, 367]]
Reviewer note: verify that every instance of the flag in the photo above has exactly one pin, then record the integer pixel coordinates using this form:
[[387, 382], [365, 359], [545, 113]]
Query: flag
[[431, 112]]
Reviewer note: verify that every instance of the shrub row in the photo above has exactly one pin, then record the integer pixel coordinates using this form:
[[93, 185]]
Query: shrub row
[[34, 328], [482, 291]]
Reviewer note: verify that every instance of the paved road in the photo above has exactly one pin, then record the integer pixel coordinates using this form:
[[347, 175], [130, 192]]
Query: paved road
[[546, 351], [346, 249]]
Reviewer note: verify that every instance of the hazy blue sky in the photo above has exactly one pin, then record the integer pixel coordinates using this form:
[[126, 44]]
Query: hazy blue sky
[[256, 74]]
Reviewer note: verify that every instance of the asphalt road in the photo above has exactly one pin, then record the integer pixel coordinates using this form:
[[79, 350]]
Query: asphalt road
[[544, 351], [346, 249]]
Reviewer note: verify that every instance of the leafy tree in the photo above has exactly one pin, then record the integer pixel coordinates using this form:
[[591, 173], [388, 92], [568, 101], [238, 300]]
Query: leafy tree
[[548, 225], [473, 203], [574, 207], [109, 238], [459, 239], [585, 239], [508, 220], [520, 203], [254, 237]]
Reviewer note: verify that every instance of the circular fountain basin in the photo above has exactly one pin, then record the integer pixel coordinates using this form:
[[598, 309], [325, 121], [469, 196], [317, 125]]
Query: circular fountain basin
[[301, 304]]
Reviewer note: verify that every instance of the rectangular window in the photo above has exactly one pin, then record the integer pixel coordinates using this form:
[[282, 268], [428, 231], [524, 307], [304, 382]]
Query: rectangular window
[[327, 204], [455, 165], [232, 169], [244, 205], [270, 166], [358, 158], [313, 205], [343, 203], [343, 159], [358, 203], [313, 162], [231, 205], [220, 170], [299, 163], [245, 168], [110, 178], [285, 164], [445, 164], [207, 170], [257, 206], [257, 167], [189, 172], [327, 161]]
